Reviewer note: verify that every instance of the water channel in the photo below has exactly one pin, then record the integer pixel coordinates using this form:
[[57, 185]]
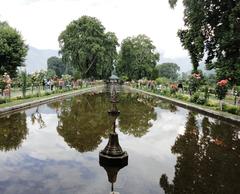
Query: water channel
[[54, 148]]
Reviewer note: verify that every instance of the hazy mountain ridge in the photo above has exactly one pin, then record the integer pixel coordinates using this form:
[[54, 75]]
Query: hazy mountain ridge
[[37, 59]]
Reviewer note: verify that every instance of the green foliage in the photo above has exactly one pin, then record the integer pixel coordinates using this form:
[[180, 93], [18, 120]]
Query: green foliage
[[2, 100], [206, 93], [221, 92], [124, 78], [50, 74], [212, 27], [86, 47], [23, 82], [12, 49], [201, 100], [182, 97], [168, 70], [56, 65], [231, 109], [137, 58], [211, 79], [194, 97], [162, 81]]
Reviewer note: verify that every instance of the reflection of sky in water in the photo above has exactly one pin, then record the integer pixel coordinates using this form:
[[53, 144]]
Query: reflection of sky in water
[[46, 164]]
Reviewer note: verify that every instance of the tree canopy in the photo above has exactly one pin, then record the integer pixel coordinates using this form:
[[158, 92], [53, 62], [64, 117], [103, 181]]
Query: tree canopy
[[12, 49], [56, 64], [87, 47], [168, 70], [213, 29], [137, 58]]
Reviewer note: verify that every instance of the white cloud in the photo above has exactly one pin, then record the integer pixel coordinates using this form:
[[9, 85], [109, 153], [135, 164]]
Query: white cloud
[[41, 21]]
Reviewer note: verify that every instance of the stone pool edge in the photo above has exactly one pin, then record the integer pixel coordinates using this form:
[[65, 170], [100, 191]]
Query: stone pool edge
[[228, 117], [23, 106]]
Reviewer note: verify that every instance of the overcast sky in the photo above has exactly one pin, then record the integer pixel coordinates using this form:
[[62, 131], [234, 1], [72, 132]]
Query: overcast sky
[[41, 21]]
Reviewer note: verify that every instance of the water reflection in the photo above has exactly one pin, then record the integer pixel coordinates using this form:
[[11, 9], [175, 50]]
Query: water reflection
[[137, 112], [36, 117], [112, 158], [83, 121], [207, 162], [13, 130]]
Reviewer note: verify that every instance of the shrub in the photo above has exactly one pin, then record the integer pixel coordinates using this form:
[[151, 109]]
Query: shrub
[[182, 97], [194, 97], [231, 109], [201, 101], [2, 101], [212, 104], [48, 93], [162, 81], [166, 92]]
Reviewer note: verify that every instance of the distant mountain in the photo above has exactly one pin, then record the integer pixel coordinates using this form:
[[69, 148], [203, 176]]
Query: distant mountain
[[37, 59]]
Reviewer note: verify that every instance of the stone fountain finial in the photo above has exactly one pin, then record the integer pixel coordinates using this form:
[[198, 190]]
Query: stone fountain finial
[[112, 158]]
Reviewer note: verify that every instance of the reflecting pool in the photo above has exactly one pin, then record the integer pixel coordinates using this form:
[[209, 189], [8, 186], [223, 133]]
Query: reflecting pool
[[54, 148]]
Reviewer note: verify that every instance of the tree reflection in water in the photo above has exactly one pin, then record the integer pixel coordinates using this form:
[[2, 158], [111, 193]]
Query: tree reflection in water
[[208, 162], [137, 112], [83, 120], [13, 130]]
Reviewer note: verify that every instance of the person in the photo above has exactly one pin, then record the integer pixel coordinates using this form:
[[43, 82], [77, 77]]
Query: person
[[180, 86]]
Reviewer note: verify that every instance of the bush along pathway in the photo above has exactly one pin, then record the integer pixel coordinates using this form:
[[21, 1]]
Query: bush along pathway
[[209, 108]]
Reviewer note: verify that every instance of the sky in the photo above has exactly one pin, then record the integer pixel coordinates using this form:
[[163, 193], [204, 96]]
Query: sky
[[41, 21]]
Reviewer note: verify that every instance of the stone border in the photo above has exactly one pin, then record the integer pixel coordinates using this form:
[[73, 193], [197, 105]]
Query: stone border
[[228, 117], [26, 105]]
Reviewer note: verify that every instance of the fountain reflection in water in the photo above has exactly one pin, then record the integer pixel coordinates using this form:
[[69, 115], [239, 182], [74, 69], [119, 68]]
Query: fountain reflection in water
[[112, 158]]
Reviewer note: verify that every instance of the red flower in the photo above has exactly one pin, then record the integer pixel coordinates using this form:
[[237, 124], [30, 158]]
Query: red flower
[[223, 82], [174, 86], [196, 75]]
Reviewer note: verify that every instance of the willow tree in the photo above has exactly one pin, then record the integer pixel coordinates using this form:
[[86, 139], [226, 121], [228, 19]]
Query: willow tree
[[87, 47]]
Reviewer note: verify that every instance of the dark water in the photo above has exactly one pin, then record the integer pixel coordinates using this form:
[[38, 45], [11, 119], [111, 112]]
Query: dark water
[[53, 149]]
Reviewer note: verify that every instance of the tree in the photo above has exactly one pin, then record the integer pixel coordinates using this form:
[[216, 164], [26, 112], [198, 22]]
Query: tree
[[56, 64], [212, 28], [12, 49], [85, 46], [168, 70], [137, 58]]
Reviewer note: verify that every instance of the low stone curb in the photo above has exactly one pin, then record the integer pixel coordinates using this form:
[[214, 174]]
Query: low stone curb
[[228, 117], [15, 108]]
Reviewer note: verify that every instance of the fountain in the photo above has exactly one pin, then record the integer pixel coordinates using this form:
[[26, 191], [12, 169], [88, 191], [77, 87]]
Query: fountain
[[112, 158]]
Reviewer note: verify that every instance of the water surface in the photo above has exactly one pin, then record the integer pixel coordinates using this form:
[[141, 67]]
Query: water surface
[[54, 148]]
